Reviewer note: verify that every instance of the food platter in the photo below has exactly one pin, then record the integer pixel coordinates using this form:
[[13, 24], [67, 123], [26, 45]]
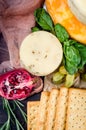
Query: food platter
[[61, 66]]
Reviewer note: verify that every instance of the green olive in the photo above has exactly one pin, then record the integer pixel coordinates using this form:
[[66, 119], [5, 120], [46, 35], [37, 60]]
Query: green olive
[[58, 78]]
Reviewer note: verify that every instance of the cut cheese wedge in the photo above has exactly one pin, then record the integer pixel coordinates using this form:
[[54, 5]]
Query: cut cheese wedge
[[61, 13], [41, 53]]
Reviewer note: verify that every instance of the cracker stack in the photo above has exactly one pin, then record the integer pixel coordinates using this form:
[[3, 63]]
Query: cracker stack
[[63, 109]]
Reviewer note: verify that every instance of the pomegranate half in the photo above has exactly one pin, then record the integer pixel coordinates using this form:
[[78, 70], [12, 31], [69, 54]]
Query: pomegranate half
[[19, 84]]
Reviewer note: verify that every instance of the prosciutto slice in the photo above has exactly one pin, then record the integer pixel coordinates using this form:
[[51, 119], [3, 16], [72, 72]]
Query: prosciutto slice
[[16, 21]]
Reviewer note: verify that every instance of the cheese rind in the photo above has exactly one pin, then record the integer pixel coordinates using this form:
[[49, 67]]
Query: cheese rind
[[61, 13], [41, 53]]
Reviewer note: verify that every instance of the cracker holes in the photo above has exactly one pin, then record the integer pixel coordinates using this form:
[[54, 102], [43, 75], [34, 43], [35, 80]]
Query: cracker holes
[[83, 123], [79, 94], [70, 108], [72, 126], [80, 119], [77, 108], [76, 123], [82, 97], [77, 116], [84, 116], [81, 105]]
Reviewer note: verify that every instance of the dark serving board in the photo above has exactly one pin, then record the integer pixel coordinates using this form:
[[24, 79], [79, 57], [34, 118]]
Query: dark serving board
[[4, 55]]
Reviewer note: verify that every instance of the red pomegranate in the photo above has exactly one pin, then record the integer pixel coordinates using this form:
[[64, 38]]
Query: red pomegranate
[[19, 84]]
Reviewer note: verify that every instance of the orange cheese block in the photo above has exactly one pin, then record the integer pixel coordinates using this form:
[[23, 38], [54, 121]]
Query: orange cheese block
[[61, 13]]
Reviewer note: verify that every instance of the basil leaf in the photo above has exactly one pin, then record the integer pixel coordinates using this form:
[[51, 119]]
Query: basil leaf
[[72, 57], [72, 54], [43, 19], [61, 33], [82, 51], [70, 67], [34, 29]]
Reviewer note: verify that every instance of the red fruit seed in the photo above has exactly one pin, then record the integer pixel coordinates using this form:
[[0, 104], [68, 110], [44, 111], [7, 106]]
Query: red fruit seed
[[19, 84]]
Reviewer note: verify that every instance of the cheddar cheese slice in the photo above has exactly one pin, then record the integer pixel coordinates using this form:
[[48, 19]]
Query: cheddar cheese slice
[[61, 13]]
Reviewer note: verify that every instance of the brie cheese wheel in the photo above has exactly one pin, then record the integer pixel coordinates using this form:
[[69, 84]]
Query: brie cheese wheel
[[41, 53], [78, 7], [60, 12]]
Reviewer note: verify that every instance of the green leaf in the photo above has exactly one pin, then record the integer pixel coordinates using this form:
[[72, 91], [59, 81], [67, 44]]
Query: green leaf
[[72, 57], [11, 114], [82, 51], [43, 19], [18, 104], [61, 33], [71, 68], [34, 29], [3, 127]]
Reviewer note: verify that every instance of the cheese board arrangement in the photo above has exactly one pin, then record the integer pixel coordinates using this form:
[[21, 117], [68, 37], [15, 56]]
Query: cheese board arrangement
[[43, 65]]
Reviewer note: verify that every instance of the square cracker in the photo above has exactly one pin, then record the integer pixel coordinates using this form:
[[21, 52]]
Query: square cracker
[[76, 113], [51, 109], [61, 109], [32, 114], [43, 110]]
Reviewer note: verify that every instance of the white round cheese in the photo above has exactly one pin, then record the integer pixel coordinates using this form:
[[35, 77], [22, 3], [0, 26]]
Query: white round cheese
[[41, 53], [78, 7]]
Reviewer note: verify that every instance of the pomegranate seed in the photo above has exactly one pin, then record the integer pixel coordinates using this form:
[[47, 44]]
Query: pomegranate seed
[[26, 89], [11, 93], [4, 89], [18, 84]]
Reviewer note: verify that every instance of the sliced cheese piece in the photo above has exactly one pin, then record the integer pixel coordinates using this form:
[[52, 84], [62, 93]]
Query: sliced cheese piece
[[78, 7], [41, 53], [61, 13]]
